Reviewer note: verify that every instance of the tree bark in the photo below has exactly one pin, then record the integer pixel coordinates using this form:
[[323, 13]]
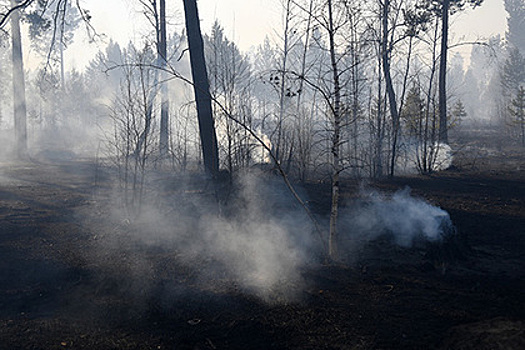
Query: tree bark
[[443, 130], [201, 88], [385, 51], [19, 98], [164, 107], [284, 67], [336, 140]]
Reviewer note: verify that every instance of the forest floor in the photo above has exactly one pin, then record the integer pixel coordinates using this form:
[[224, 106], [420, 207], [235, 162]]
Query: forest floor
[[55, 295]]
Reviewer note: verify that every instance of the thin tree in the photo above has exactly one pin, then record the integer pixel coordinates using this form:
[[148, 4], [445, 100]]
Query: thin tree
[[443, 132], [336, 136], [443, 9], [386, 53], [155, 12], [162, 57]]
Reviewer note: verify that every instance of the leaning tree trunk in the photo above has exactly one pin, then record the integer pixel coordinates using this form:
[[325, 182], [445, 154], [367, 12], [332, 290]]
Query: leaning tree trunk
[[19, 90], [201, 88], [443, 132]]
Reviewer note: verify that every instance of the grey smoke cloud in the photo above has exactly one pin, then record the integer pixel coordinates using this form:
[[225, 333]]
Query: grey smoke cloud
[[261, 240], [404, 217]]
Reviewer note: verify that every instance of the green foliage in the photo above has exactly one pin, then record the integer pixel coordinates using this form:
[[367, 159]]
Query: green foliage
[[436, 6], [458, 113], [416, 20], [413, 112], [51, 24], [38, 25]]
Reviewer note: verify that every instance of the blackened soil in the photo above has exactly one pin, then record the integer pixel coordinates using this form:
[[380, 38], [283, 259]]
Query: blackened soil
[[466, 293]]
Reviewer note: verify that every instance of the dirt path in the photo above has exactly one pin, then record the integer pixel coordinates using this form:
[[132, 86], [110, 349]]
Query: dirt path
[[54, 295]]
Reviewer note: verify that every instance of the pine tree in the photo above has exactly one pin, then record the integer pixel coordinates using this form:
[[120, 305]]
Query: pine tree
[[516, 23], [458, 113], [413, 112], [513, 72], [517, 112]]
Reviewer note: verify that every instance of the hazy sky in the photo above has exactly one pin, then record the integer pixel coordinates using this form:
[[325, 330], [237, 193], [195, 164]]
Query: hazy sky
[[246, 21]]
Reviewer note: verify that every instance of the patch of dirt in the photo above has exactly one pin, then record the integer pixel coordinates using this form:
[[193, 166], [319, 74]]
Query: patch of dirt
[[466, 293]]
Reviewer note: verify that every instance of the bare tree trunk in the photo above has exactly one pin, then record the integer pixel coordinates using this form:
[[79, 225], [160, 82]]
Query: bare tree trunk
[[201, 88], [164, 107], [443, 132], [406, 75], [303, 123], [279, 146], [426, 165], [386, 52], [148, 118], [379, 125], [19, 90], [336, 142], [62, 68]]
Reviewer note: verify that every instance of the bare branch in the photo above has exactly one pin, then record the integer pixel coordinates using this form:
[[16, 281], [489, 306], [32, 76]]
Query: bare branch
[[4, 16]]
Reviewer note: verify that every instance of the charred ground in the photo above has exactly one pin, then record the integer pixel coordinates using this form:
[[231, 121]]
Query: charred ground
[[58, 290]]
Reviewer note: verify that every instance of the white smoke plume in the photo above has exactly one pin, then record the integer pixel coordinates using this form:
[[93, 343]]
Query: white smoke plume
[[401, 216], [260, 241]]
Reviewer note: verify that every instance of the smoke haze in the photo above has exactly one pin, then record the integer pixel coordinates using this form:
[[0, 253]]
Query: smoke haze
[[260, 241], [402, 218]]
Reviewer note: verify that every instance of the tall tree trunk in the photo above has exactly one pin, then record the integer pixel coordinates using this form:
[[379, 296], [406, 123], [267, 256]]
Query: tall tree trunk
[[201, 88], [164, 107], [443, 132], [302, 124], [378, 137], [386, 52], [62, 68], [19, 90], [336, 139], [282, 108], [429, 109]]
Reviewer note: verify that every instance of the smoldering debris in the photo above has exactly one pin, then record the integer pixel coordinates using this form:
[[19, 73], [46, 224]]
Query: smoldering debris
[[401, 217]]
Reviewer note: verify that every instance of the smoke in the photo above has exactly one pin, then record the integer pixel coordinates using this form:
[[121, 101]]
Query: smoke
[[257, 239], [414, 158], [403, 218], [264, 241]]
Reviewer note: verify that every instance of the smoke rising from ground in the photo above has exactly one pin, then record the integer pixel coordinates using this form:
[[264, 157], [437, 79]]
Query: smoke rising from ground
[[402, 217], [259, 239]]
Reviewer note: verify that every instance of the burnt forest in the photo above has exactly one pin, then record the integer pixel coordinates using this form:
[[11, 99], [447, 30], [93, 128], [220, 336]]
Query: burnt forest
[[345, 175]]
